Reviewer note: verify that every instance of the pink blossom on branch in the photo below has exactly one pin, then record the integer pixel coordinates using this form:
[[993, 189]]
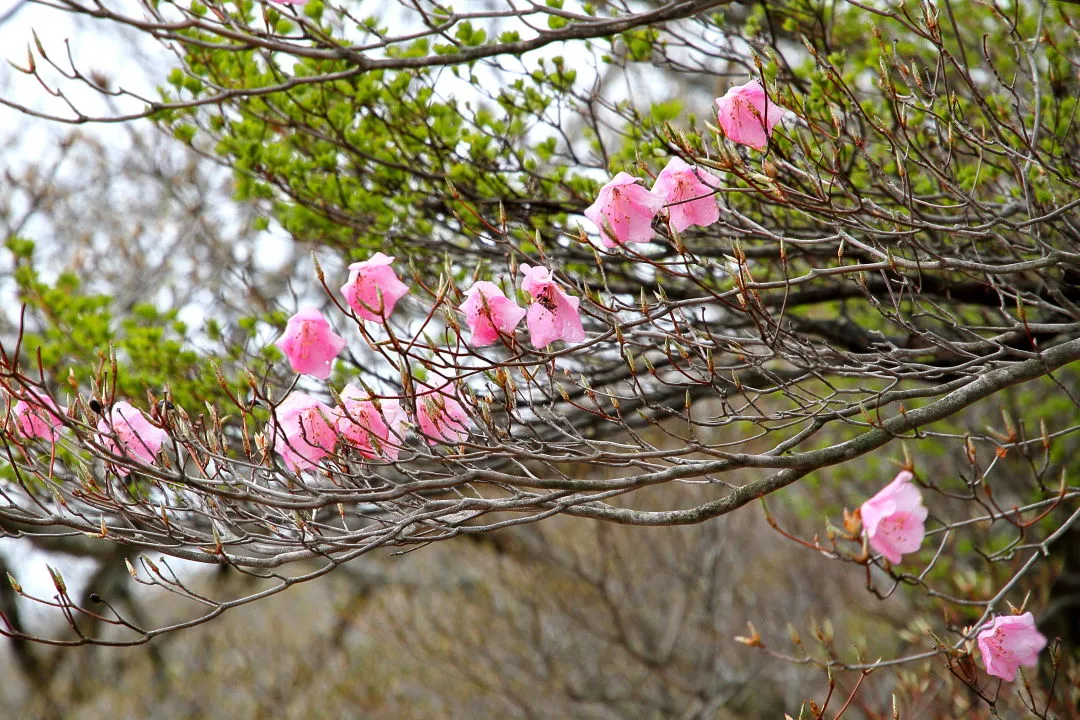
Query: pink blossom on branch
[[553, 314], [440, 417], [127, 431], [42, 419], [375, 432], [624, 211], [688, 200], [301, 431], [894, 518], [373, 287], [747, 115], [1009, 642], [310, 344], [489, 312]]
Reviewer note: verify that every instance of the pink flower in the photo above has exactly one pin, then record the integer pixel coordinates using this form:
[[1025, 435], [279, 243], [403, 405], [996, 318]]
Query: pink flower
[[301, 431], [747, 115], [1009, 642], [624, 211], [893, 519], [374, 432], [488, 313], [310, 344], [441, 417], [42, 419], [554, 314], [689, 200], [135, 436], [373, 287]]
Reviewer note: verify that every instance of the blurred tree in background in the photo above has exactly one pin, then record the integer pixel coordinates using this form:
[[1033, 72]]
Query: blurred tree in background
[[894, 282]]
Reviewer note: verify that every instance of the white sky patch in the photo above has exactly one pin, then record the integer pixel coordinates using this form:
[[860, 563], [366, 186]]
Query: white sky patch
[[62, 33], [29, 566]]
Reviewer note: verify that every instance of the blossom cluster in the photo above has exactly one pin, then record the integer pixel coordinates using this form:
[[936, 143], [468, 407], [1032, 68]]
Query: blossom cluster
[[624, 210], [683, 195], [894, 524], [305, 430], [124, 430]]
